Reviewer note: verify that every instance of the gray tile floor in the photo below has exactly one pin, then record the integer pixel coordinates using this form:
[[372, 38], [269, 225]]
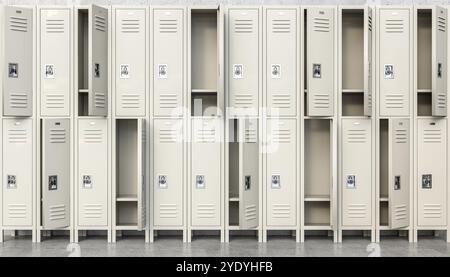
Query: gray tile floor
[[210, 246]]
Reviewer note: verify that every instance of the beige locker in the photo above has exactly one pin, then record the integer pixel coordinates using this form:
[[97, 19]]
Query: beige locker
[[244, 53], [92, 176], [17, 172], [281, 55], [142, 177], [439, 62], [169, 60], [368, 64], [320, 60], [55, 179], [206, 172], [356, 172], [249, 175], [399, 172], [168, 190], [432, 172], [394, 61], [130, 52], [281, 172], [55, 71], [18, 56]]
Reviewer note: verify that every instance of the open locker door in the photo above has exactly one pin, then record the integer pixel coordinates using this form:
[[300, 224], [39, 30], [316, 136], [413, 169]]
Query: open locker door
[[368, 88], [249, 175], [18, 53], [399, 175], [141, 173], [55, 173], [439, 66], [98, 61]]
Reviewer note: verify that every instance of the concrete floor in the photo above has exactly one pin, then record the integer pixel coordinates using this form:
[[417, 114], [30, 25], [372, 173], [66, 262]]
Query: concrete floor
[[210, 246]]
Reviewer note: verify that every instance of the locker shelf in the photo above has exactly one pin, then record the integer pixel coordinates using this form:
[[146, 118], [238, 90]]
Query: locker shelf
[[234, 227], [127, 198], [424, 90], [126, 227], [352, 90], [234, 199], [317, 198], [317, 227], [83, 90], [204, 90], [384, 198]]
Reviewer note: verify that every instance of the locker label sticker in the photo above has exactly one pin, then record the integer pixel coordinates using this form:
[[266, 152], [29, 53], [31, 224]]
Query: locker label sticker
[[162, 181], [388, 71], [427, 182], [124, 71], [238, 71], [11, 182], [317, 70], [49, 71], [96, 70], [162, 71], [439, 70], [275, 70], [13, 70], [351, 181], [276, 182], [397, 183], [52, 182], [200, 182], [87, 181], [248, 182]]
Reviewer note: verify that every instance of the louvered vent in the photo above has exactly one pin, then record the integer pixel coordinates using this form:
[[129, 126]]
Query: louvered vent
[[280, 135], [441, 101], [206, 210], [99, 100], [168, 101], [130, 101], [18, 24], [282, 101], [93, 210], [394, 26], [57, 212], [281, 26], [100, 23], [357, 210], [281, 211], [168, 26], [321, 24], [370, 23], [321, 101], [54, 26], [18, 100], [168, 210], [250, 212], [17, 136], [400, 212], [243, 26], [357, 136], [54, 101], [17, 211], [432, 136], [432, 210], [251, 135], [93, 136], [205, 135], [57, 136], [242, 100], [130, 26], [441, 23], [400, 136], [168, 135], [395, 101]]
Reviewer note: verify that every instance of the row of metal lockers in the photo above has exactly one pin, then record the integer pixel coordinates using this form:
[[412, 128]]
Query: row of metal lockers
[[268, 119]]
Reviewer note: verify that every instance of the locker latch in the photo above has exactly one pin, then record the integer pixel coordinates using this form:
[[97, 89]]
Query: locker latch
[[351, 181], [52, 182], [248, 182], [397, 182], [49, 71], [162, 181], [238, 72], [388, 71], [96, 70], [13, 70], [11, 182], [87, 181], [439, 70], [276, 182], [200, 181], [317, 70], [162, 71], [275, 71], [124, 71], [427, 182]]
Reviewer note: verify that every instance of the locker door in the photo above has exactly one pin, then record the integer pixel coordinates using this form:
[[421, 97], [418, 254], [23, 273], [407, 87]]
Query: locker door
[[206, 175], [17, 172], [98, 68], [439, 69], [92, 172], [356, 172], [168, 182], [394, 62], [368, 89], [249, 176], [244, 57], [130, 59], [320, 60], [399, 179], [55, 70], [55, 180], [281, 61], [141, 191], [18, 80], [432, 172], [169, 60], [281, 172]]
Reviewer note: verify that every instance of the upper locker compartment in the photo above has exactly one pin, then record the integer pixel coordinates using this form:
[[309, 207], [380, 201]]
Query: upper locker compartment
[[439, 63], [169, 58], [55, 43], [130, 56], [394, 61], [281, 56], [244, 56], [320, 60], [18, 54], [92, 53]]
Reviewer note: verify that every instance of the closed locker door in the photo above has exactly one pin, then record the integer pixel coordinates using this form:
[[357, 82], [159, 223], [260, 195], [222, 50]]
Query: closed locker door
[[18, 51], [17, 172], [356, 172], [394, 61], [320, 57], [168, 172], [249, 175], [141, 185], [98, 62], [281, 172], [439, 69], [368, 48], [205, 172], [130, 59], [55, 173], [432, 172], [55, 61], [169, 61], [244, 59], [92, 172], [399, 173], [281, 61]]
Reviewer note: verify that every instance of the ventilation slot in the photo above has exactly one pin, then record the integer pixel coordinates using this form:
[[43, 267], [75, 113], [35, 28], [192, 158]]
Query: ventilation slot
[[250, 212], [281, 136], [243, 100], [93, 210], [130, 26], [357, 136], [18, 24], [432, 211], [321, 24], [357, 210], [394, 26], [400, 136], [206, 135], [17, 211], [395, 101], [400, 212], [168, 26], [281, 26], [370, 23], [54, 26], [168, 101], [99, 100], [130, 101], [168, 135], [250, 135], [321, 101], [57, 136], [99, 23], [57, 212], [281, 101], [243, 26], [168, 211], [206, 211], [18, 136], [441, 24], [18, 100], [281, 210], [93, 136], [432, 136], [441, 101], [54, 101]]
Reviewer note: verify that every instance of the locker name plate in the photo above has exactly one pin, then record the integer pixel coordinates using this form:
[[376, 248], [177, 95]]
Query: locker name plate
[[52, 182], [397, 183], [351, 181], [248, 182], [427, 181], [276, 182], [317, 70], [87, 181], [275, 71], [96, 70], [162, 181], [439, 70], [11, 182], [200, 182], [124, 71], [238, 71], [388, 71], [49, 71], [162, 71], [13, 70]]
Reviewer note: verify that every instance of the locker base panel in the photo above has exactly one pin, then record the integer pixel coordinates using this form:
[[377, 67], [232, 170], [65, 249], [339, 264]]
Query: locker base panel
[[387, 228], [431, 228], [128, 227]]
